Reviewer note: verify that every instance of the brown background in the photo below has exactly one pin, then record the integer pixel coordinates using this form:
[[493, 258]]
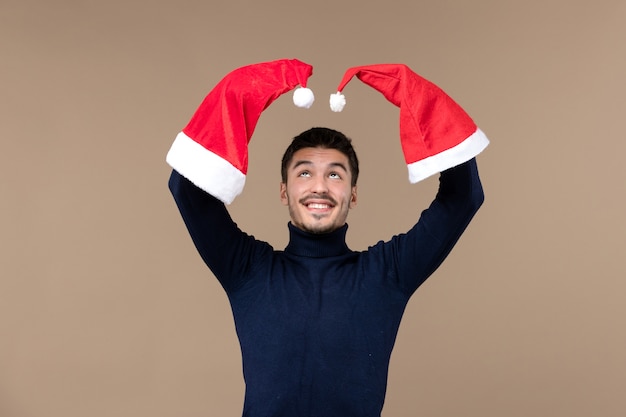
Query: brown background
[[106, 309]]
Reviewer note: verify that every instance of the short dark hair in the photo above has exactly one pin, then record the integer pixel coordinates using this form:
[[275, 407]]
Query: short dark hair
[[322, 137]]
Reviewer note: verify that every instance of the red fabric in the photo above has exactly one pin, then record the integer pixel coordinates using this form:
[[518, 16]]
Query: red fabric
[[430, 121], [225, 120]]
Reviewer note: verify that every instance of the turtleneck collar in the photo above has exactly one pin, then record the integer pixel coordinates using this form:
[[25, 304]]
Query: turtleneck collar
[[313, 245]]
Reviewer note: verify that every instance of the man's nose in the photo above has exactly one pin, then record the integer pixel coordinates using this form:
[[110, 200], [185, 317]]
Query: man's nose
[[319, 185]]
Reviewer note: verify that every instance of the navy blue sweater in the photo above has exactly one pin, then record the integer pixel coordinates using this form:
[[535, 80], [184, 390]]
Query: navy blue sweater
[[317, 321]]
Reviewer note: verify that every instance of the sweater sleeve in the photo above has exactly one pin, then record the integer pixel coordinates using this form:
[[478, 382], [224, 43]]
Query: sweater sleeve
[[226, 250], [419, 252]]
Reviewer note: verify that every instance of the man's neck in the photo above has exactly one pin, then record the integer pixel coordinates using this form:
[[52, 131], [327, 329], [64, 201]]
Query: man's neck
[[303, 243]]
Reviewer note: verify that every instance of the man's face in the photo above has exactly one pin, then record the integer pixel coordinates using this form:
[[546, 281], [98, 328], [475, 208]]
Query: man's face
[[318, 191]]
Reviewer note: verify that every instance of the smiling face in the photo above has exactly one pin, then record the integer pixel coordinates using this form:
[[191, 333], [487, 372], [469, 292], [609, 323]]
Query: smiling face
[[318, 189]]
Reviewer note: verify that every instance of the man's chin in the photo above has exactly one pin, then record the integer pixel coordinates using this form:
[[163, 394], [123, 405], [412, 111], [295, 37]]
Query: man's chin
[[318, 229], [321, 231]]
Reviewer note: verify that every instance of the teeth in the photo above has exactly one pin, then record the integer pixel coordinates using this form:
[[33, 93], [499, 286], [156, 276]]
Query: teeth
[[318, 206]]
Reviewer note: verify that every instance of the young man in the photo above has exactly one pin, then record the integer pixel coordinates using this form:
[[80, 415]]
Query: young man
[[317, 321]]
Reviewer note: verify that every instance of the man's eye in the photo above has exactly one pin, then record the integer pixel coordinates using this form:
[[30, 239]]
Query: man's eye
[[335, 175], [304, 174]]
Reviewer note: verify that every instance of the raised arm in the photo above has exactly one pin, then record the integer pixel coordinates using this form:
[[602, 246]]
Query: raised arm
[[226, 250], [210, 161], [419, 252], [437, 136]]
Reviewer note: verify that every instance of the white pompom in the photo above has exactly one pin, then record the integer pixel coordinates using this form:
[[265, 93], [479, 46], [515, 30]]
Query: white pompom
[[303, 97], [337, 102]]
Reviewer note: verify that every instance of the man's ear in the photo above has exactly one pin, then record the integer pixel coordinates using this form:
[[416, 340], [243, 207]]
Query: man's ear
[[353, 198], [283, 194]]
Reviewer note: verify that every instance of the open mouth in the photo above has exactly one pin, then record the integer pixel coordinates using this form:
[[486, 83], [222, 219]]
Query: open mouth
[[318, 206], [318, 203]]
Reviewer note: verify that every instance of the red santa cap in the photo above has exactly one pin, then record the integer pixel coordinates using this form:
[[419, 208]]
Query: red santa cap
[[212, 150], [435, 132]]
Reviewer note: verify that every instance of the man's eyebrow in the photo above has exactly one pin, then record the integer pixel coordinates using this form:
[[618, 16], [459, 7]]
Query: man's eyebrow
[[301, 162], [338, 164], [307, 162]]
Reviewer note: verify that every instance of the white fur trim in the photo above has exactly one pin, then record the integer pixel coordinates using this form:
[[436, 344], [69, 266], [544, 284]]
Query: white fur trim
[[208, 171], [449, 158]]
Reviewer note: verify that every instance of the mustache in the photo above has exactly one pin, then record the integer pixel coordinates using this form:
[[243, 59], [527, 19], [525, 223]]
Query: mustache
[[320, 196]]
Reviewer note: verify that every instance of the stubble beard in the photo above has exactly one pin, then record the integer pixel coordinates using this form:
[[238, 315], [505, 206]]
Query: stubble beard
[[315, 229]]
